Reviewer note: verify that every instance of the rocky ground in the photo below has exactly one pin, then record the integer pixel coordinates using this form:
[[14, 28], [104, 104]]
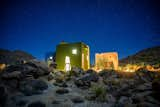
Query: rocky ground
[[32, 84]]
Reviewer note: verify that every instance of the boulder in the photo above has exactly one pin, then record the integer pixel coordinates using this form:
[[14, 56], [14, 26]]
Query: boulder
[[17, 97], [107, 73], [62, 91], [3, 96], [146, 104], [21, 103], [11, 68], [110, 98], [90, 71], [37, 104], [63, 84], [82, 84], [12, 75], [41, 67], [77, 99], [124, 100], [85, 80], [156, 86], [55, 101], [89, 77], [156, 89], [31, 87], [77, 70], [50, 76]]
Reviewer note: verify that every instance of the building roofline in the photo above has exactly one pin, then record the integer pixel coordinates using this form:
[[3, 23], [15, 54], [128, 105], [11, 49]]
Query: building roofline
[[69, 43]]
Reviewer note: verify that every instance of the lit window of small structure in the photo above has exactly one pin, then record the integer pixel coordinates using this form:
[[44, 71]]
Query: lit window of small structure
[[50, 57], [74, 51]]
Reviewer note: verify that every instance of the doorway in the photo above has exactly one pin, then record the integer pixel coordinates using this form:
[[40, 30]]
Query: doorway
[[67, 63]]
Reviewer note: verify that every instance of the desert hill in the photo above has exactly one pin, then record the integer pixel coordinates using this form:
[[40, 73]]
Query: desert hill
[[147, 56], [12, 57]]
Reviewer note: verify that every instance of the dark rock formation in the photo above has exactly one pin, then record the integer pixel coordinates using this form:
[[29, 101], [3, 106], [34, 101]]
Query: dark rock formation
[[37, 104]]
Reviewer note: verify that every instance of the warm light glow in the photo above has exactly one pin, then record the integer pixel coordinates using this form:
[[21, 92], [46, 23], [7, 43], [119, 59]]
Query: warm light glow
[[74, 51], [87, 57], [107, 60], [67, 64], [50, 57]]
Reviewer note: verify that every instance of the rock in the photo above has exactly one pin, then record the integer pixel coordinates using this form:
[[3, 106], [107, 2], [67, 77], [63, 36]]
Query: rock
[[145, 75], [146, 104], [21, 71], [37, 104], [13, 84], [156, 85], [39, 85], [118, 105], [143, 94], [124, 100], [77, 99], [56, 101], [89, 77], [91, 96], [110, 98], [82, 84], [90, 71], [3, 96], [156, 89], [41, 67], [143, 87], [85, 80], [50, 76], [31, 87], [76, 70], [59, 100], [12, 75], [152, 100], [12, 68], [140, 97], [107, 73], [22, 103], [62, 91], [17, 97], [61, 84]]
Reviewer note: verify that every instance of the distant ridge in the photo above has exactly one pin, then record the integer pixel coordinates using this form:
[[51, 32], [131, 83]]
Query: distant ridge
[[147, 56], [11, 57]]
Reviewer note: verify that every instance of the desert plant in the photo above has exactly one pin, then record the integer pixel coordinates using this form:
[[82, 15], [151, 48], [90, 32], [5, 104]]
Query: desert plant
[[100, 92]]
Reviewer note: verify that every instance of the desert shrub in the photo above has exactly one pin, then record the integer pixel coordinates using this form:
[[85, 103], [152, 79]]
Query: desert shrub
[[100, 92]]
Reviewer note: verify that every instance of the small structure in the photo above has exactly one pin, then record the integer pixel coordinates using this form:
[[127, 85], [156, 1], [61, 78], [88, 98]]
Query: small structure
[[70, 55], [107, 60]]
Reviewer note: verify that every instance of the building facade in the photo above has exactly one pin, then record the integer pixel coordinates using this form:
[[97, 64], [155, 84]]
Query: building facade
[[108, 60], [70, 55]]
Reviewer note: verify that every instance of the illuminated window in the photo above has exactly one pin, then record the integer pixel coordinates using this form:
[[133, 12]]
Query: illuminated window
[[74, 51], [50, 57]]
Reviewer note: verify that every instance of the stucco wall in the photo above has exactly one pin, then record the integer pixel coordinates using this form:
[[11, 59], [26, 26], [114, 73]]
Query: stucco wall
[[106, 60]]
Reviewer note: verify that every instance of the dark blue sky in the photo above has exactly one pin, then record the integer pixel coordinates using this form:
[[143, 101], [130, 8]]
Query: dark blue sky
[[37, 26]]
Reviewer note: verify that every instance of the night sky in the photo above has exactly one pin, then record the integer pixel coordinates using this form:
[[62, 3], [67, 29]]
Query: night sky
[[37, 26]]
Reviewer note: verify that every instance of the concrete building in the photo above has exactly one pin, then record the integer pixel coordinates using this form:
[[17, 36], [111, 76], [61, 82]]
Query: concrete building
[[108, 60], [70, 55]]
